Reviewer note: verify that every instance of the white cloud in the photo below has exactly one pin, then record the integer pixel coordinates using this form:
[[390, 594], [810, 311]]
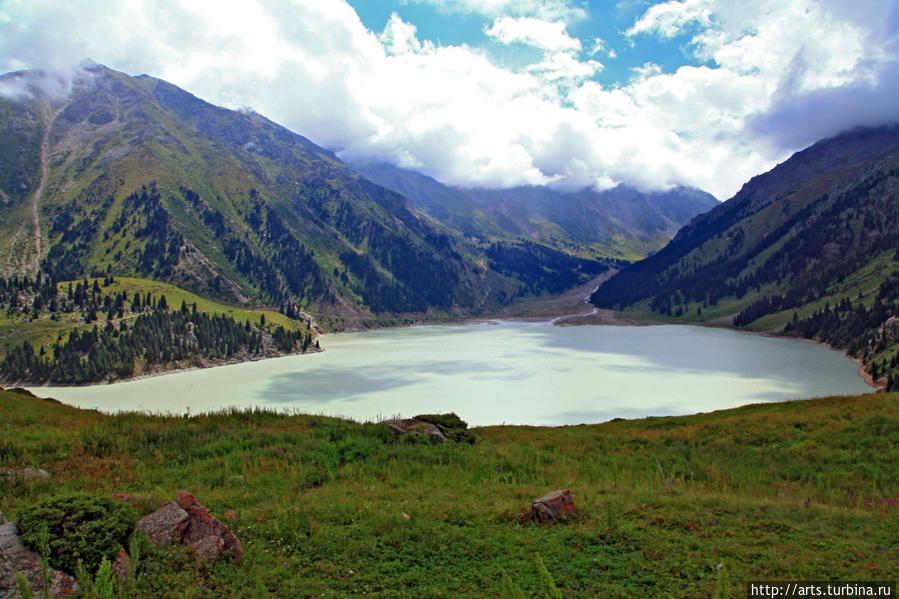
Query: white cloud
[[600, 47], [455, 114], [400, 37], [670, 19], [551, 10], [546, 35]]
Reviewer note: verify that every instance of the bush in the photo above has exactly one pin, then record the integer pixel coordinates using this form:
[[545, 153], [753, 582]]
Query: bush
[[80, 526], [450, 425]]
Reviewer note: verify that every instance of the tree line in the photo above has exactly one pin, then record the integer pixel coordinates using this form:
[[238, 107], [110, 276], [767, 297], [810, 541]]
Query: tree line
[[140, 332]]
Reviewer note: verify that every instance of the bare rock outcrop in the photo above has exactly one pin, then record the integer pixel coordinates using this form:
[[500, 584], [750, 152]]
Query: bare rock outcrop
[[206, 536], [26, 474], [410, 426], [121, 565], [166, 525], [554, 506], [15, 556], [186, 521]]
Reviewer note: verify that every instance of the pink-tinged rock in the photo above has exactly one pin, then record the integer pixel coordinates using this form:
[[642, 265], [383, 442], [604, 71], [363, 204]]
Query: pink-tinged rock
[[166, 525], [16, 557], [208, 548], [121, 565], [202, 525], [557, 505]]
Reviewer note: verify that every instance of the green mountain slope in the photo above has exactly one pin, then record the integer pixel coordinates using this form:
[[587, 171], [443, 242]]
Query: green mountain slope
[[809, 248], [135, 177], [621, 223]]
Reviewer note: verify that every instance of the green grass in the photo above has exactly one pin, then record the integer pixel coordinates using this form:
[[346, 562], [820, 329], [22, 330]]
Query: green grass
[[796, 490]]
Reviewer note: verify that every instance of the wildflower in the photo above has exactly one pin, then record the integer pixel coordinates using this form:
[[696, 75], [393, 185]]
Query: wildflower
[[405, 515]]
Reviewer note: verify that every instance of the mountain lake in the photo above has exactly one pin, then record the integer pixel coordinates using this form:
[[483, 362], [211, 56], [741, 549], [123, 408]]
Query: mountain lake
[[501, 372]]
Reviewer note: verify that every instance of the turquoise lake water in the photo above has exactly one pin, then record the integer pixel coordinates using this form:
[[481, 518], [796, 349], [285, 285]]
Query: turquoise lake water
[[504, 372]]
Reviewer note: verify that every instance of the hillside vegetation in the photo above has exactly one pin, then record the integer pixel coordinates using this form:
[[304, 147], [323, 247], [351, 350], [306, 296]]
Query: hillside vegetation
[[145, 180], [96, 330], [688, 506], [810, 249]]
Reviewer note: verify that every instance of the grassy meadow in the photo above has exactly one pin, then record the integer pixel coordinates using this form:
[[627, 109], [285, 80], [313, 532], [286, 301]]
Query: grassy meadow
[[667, 507]]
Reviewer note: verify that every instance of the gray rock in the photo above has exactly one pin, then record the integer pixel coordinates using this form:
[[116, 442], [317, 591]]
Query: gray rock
[[557, 505], [410, 426], [891, 328], [16, 557], [32, 474], [166, 525], [207, 549], [27, 474]]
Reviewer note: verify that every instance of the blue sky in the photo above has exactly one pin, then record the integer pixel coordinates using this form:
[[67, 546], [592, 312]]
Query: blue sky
[[498, 93], [606, 21]]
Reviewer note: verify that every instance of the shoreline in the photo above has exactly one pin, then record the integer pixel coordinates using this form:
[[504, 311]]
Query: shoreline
[[157, 373], [574, 306]]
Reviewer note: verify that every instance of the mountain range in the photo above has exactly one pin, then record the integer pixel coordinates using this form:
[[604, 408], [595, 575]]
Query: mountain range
[[132, 176], [621, 222]]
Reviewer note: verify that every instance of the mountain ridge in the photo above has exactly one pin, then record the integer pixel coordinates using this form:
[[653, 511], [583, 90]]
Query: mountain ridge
[[225, 203], [619, 223], [808, 249], [133, 176]]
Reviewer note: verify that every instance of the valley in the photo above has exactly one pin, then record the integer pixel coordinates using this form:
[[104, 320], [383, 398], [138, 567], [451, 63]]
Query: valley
[[807, 250], [147, 232]]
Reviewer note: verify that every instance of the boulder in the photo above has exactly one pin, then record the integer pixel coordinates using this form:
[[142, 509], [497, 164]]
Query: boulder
[[27, 474], [207, 549], [411, 426], [554, 506], [16, 557], [203, 530], [121, 565], [32, 474], [890, 328], [166, 525]]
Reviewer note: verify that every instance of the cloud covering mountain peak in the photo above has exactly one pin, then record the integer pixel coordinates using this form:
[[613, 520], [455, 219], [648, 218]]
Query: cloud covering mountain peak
[[758, 80]]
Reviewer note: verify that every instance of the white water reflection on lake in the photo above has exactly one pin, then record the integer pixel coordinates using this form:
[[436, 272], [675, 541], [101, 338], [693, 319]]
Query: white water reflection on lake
[[509, 372]]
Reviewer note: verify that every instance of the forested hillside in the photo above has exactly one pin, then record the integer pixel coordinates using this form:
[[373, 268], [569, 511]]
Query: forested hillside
[[104, 333], [131, 176], [809, 249]]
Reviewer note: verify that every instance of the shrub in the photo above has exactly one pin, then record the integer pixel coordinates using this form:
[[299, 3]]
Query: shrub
[[80, 526]]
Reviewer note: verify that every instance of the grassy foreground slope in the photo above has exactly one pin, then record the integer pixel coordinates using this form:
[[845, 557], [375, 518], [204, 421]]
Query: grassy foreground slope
[[667, 507]]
